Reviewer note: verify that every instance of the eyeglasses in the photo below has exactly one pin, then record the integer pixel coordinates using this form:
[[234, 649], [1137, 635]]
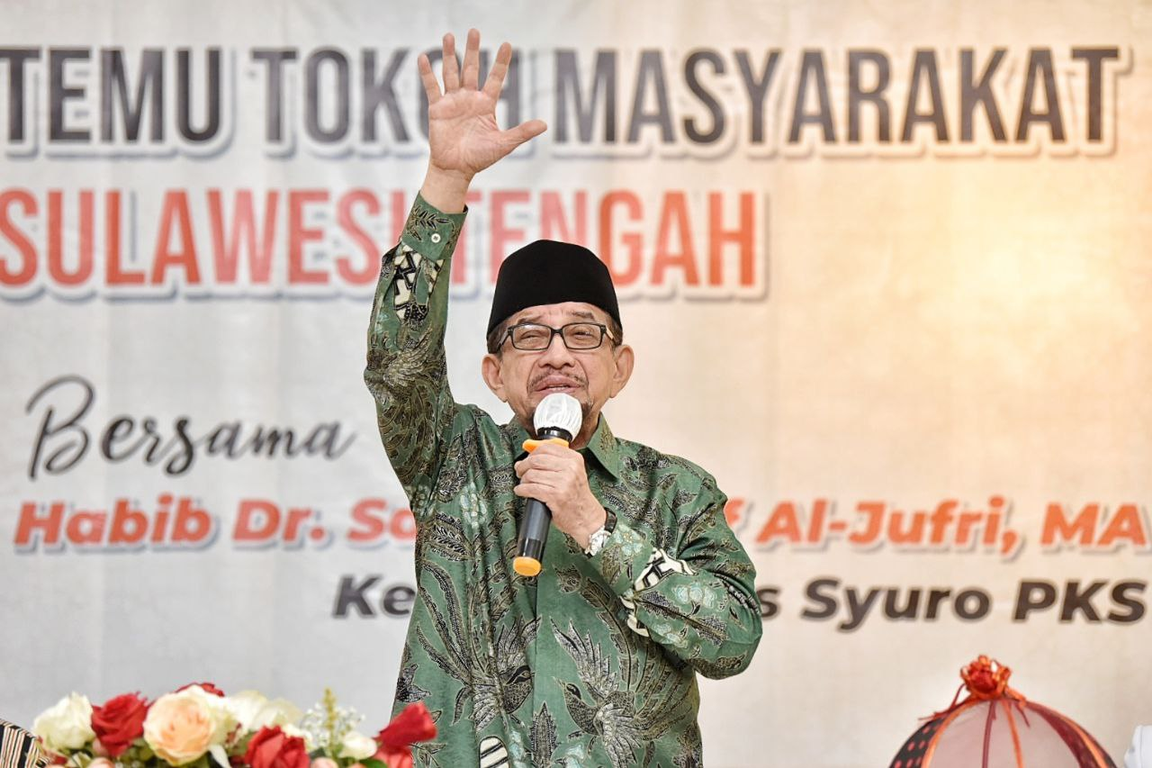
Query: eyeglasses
[[534, 337]]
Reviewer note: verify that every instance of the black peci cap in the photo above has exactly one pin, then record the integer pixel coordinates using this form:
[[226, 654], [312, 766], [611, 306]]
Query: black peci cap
[[551, 272]]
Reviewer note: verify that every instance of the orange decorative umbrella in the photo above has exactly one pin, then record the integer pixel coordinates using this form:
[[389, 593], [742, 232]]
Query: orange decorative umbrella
[[996, 727]]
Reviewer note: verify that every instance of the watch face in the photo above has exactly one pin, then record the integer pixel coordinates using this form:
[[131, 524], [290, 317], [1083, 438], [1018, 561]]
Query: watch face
[[596, 541]]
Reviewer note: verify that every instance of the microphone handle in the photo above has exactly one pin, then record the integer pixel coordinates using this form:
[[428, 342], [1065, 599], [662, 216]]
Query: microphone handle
[[533, 534], [535, 523]]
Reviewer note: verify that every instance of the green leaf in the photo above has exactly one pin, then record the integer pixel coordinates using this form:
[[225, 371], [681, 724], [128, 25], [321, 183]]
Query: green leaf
[[373, 763]]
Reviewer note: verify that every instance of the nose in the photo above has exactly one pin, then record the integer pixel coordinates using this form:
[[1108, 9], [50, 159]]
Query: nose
[[557, 354]]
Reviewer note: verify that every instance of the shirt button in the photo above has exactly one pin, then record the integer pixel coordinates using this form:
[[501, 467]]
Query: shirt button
[[435, 237]]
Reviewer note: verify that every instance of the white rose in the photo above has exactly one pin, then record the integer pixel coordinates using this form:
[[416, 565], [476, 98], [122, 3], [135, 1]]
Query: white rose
[[246, 706], [67, 725], [276, 712], [357, 746]]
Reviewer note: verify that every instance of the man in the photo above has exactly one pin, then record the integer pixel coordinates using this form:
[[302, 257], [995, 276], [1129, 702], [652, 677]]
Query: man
[[592, 662]]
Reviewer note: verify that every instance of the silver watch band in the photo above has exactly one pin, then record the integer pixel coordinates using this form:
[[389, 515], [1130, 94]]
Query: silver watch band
[[596, 541], [600, 537]]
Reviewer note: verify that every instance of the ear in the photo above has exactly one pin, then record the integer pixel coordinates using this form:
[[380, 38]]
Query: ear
[[491, 368], [624, 359]]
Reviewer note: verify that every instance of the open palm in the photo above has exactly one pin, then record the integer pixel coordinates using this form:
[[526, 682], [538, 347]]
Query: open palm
[[463, 135]]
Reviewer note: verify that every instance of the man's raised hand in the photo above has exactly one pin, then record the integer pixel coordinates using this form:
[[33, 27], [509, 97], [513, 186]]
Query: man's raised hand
[[462, 132]]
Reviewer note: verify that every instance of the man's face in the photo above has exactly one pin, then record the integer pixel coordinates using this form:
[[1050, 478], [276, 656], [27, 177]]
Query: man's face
[[524, 378]]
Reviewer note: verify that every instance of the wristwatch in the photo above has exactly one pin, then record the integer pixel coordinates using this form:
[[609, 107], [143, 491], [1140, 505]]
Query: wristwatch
[[599, 538]]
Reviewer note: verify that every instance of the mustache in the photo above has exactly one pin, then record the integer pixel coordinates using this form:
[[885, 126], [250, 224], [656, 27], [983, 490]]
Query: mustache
[[535, 381]]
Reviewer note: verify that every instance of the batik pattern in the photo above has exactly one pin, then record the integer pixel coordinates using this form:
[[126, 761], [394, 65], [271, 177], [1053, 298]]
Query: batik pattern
[[594, 661]]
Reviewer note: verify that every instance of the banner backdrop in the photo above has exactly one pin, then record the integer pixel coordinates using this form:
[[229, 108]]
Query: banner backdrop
[[884, 265]]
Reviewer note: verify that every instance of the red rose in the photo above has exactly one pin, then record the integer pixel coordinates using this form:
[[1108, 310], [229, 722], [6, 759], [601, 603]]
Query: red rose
[[410, 726], [401, 758], [208, 688], [272, 748], [119, 722]]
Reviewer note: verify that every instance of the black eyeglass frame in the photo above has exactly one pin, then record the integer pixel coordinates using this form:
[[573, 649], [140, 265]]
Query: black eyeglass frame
[[554, 331]]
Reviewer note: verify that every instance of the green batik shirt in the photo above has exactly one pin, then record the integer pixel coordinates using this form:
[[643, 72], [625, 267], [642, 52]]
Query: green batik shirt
[[594, 661]]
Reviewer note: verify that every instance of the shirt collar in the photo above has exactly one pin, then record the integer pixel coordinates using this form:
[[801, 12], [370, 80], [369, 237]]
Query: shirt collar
[[603, 446]]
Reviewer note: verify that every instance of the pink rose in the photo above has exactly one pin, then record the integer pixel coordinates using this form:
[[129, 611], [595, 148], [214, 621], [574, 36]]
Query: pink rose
[[180, 727], [324, 762]]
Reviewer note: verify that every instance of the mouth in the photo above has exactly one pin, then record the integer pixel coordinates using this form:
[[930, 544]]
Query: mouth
[[550, 384]]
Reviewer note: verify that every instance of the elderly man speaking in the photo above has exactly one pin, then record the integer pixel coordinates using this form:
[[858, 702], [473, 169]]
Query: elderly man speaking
[[592, 661]]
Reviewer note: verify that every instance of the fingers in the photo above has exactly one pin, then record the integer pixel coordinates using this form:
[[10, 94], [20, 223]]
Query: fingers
[[546, 464], [551, 449], [562, 458], [428, 78], [494, 83], [514, 137], [450, 66], [551, 458], [537, 466], [472, 60], [533, 491], [543, 491]]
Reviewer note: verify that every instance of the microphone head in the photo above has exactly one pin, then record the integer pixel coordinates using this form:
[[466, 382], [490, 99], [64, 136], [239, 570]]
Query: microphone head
[[559, 411]]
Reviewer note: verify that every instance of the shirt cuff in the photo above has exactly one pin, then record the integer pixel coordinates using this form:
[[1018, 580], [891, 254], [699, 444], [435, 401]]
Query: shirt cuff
[[623, 558], [430, 232]]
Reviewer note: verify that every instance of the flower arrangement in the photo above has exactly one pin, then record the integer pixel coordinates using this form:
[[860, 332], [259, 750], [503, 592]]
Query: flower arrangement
[[199, 727]]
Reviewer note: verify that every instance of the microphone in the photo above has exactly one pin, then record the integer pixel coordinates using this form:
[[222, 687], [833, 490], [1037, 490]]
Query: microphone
[[557, 420]]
